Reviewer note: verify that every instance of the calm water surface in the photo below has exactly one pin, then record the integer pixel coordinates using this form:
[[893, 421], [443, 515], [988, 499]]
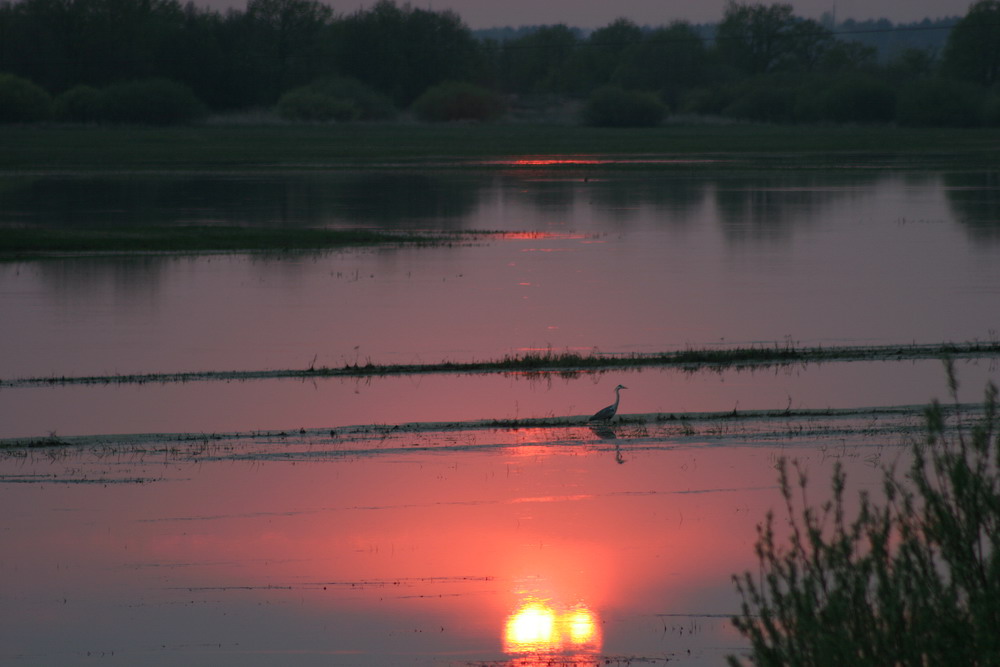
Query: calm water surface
[[461, 545], [628, 262], [467, 546]]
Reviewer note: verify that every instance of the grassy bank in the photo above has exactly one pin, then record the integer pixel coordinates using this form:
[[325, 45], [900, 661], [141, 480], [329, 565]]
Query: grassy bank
[[569, 363], [33, 242], [214, 147]]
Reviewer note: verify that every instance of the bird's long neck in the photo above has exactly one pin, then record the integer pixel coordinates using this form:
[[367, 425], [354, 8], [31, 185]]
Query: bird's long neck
[[618, 397]]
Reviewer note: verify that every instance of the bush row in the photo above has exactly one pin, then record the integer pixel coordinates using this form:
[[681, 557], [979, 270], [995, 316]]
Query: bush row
[[335, 99], [855, 98], [165, 102], [344, 99], [150, 101]]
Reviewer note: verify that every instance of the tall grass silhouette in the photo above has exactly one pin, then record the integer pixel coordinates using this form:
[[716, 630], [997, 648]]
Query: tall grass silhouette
[[912, 579]]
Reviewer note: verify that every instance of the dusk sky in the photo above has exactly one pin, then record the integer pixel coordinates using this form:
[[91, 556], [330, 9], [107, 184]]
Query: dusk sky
[[597, 13]]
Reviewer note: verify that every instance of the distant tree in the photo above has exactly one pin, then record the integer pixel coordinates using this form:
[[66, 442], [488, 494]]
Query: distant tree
[[912, 64], [973, 49], [59, 43], [847, 56], [806, 43], [537, 61], [670, 60], [758, 38], [752, 38], [403, 50], [597, 61], [287, 41]]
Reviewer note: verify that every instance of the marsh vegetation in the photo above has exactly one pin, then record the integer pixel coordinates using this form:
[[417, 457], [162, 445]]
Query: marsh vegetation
[[909, 579], [567, 365]]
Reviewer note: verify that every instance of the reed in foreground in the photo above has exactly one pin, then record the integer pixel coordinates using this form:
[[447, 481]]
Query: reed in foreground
[[913, 581]]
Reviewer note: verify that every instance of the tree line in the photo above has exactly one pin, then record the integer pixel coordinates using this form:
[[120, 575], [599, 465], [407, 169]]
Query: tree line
[[101, 59]]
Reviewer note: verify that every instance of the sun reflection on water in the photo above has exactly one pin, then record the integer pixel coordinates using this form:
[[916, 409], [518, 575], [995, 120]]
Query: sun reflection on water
[[539, 629]]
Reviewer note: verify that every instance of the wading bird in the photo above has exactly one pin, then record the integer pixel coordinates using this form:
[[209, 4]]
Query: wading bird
[[607, 413]]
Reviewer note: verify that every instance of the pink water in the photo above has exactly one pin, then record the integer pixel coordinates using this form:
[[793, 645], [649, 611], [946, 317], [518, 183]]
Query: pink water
[[323, 543]]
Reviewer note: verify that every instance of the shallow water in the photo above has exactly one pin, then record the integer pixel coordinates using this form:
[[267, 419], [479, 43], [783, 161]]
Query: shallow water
[[275, 405], [630, 261], [283, 526], [445, 547]]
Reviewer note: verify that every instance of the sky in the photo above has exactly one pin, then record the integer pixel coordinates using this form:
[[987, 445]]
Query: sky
[[596, 13]]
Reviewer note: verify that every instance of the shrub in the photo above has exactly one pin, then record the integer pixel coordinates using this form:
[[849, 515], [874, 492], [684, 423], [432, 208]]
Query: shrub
[[153, 102], [991, 111], [615, 107], [338, 98], [860, 99], [79, 104], [308, 105], [765, 103], [913, 582], [711, 100], [940, 103], [455, 100], [21, 101]]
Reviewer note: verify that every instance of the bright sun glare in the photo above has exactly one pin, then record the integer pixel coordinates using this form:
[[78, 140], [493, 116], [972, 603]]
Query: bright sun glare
[[537, 627]]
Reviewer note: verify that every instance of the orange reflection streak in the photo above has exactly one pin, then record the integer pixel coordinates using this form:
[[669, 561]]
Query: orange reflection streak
[[531, 443], [541, 236], [555, 161], [590, 160], [537, 628]]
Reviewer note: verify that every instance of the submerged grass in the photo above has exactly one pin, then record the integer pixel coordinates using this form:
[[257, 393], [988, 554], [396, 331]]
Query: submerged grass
[[768, 424], [28, 242], [569, 363]]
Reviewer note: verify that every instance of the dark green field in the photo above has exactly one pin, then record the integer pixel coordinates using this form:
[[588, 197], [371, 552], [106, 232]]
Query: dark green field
[[309, 147]]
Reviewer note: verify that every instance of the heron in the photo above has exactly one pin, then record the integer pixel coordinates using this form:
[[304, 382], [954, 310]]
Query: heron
[[607, 413]]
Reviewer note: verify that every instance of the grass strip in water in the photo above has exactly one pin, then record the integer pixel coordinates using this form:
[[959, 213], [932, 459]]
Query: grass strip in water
[[24, 242], [567, 363], [638, 430]]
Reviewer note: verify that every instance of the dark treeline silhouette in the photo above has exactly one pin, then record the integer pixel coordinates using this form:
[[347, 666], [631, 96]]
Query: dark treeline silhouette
[[105, 60]]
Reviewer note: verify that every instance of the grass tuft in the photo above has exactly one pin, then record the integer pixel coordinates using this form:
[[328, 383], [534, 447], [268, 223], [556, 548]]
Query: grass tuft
[[913, 581]]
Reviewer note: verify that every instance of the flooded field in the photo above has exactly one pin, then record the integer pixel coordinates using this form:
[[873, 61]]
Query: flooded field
[[456, 519], [385, 545]]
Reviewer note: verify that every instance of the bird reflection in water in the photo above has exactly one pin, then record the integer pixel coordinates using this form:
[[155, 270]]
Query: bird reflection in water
[[537, 631], [600, 423], [606, 432], [603, 431]]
